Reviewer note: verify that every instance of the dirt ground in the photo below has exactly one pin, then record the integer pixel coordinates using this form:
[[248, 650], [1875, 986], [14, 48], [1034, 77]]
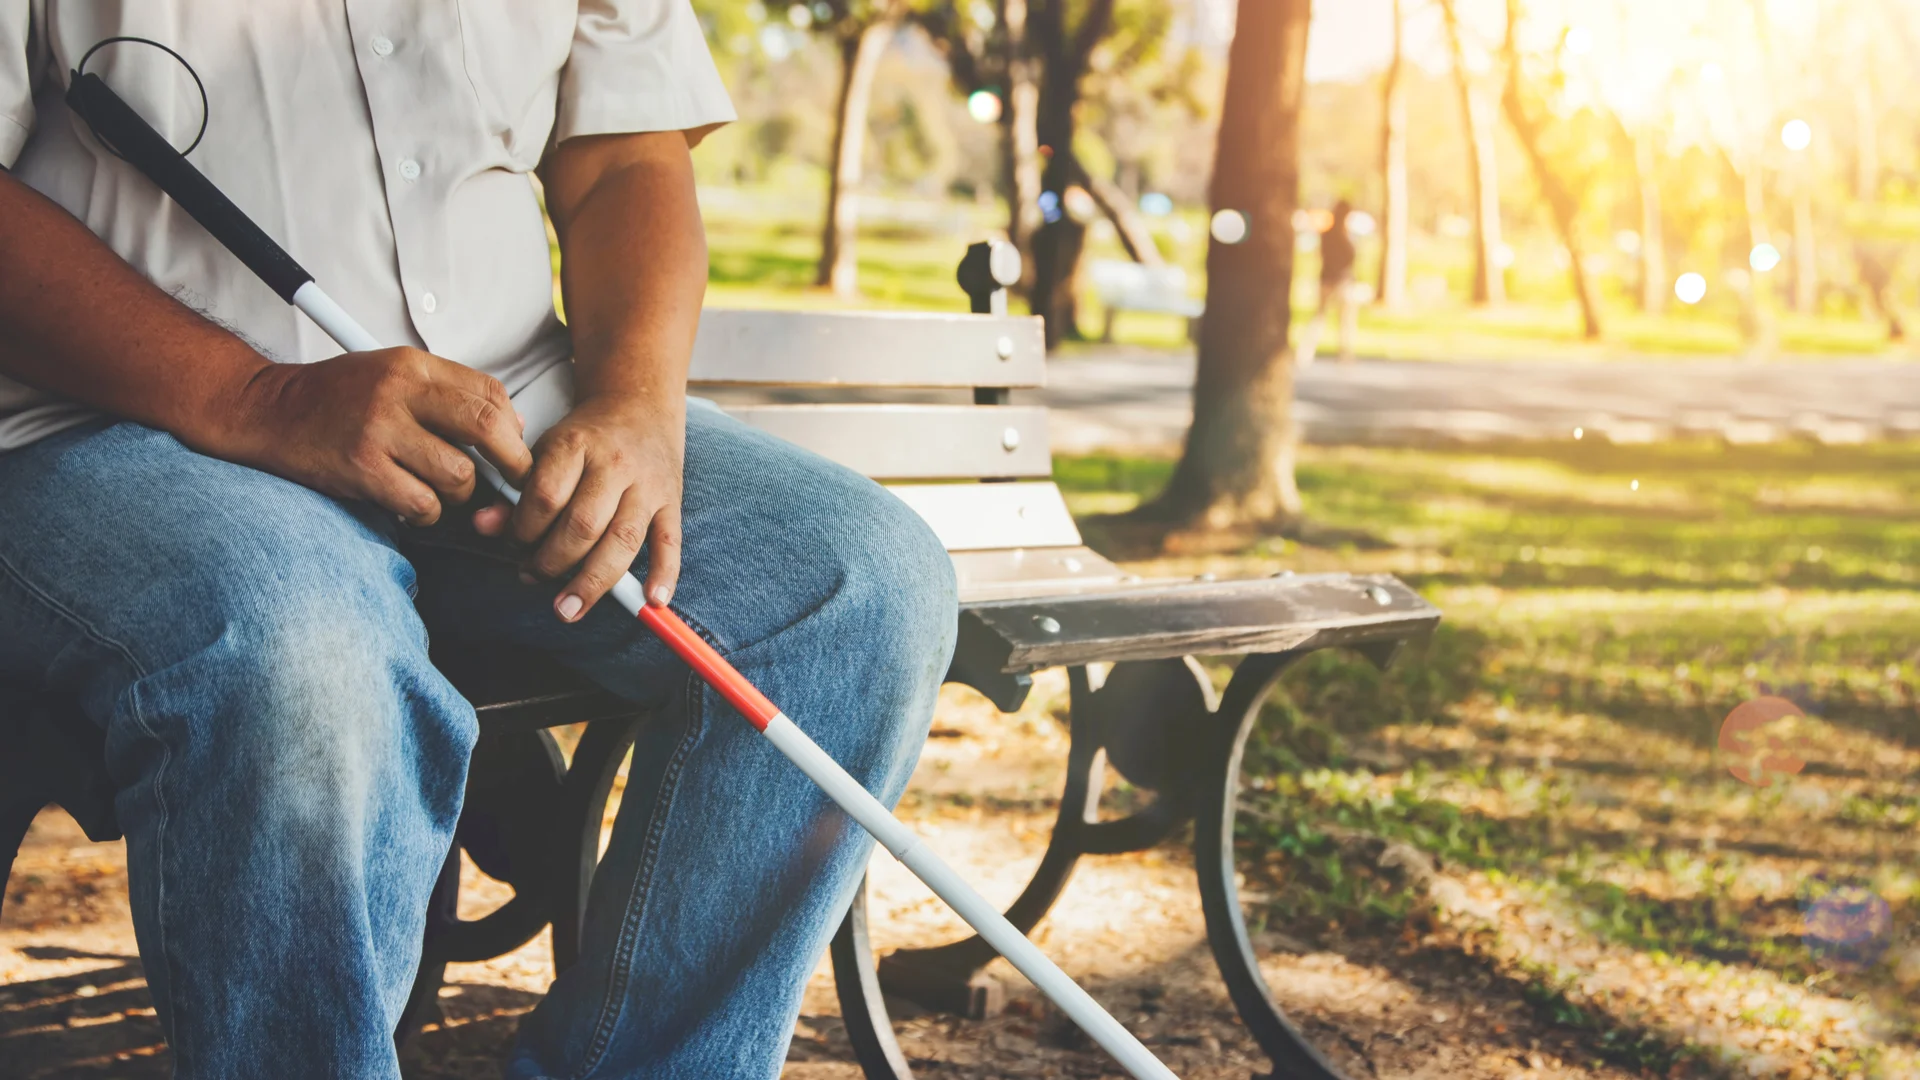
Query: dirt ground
[[73, 1003]]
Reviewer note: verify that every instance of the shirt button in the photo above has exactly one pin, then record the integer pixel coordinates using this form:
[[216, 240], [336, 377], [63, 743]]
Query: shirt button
[[409, 170], [429, 303], [382, 46]]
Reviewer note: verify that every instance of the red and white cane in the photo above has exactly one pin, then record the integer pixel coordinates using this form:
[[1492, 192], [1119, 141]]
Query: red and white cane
[[116, 124]]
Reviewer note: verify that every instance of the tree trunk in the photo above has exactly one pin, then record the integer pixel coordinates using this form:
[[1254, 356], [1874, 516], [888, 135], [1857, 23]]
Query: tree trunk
[[1393, 174], [1653, 244], [1021, 139], [1562, 201], [1237, 469], [1059, 242], [1806, 270], [1757, 328], [1114, 201], [1866, 151], [1753, 199], [859, 62], [1483, 171]]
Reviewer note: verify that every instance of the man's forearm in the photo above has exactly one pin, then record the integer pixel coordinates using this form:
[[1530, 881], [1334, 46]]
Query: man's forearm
[[77, 321], [634, 265]]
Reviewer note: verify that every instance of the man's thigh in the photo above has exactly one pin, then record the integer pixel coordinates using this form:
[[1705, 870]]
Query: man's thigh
[[124, 552]]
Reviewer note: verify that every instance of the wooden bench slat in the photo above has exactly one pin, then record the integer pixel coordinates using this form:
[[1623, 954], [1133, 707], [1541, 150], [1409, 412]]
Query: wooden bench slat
[[915, 442], [1155, 620], [985, 576], [972, 517], [867, 348]]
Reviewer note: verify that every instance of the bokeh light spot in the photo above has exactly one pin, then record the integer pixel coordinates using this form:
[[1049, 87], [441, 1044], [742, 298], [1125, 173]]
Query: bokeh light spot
[[1764, 257], [1579, 40], [1228, 226], [1691, 288], [1156, 204], [1796, 135], [1760, 742], [1848, 925], [984, 106]]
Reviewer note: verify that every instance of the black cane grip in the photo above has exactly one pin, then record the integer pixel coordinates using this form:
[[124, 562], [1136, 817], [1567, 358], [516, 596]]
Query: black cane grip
[[116, 124]]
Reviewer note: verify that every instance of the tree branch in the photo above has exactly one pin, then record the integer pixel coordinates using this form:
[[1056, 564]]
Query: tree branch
[[1095, 26]]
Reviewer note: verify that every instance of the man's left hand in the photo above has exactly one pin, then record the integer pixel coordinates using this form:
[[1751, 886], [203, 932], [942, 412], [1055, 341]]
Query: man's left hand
[[605, 480]]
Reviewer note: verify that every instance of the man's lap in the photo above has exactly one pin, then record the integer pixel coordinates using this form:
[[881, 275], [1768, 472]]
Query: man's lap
[[142, 550]]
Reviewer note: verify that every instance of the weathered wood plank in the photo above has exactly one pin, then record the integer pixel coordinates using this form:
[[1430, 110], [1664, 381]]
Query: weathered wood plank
[[974, 517], [1152, 621], [915, 442], [1031, 572], [867, 348]]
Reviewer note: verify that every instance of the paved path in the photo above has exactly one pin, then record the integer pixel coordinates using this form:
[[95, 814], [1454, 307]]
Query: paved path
[[1137, 399]]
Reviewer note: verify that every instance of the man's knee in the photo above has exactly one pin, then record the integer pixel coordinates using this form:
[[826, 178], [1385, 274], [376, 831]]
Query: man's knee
[[306, 689], [896, 580]]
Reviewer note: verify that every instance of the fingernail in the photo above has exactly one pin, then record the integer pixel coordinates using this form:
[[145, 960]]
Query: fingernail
[[660, 595], [528, 579], [570, 606]]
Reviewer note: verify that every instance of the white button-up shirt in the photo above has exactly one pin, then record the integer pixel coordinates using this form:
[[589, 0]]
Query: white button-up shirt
[[385, 145]]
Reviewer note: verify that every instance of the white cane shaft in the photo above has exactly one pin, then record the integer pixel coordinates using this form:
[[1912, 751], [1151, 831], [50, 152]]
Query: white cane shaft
[[334, 319], [873, 816]]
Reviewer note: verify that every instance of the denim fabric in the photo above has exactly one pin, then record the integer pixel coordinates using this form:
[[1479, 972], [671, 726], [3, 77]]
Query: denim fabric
[[290, 766]]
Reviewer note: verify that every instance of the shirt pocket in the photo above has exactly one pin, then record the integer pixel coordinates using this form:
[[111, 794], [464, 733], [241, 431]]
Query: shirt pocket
[[513, 51]]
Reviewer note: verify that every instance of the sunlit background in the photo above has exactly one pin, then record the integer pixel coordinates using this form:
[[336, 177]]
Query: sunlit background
[[1758, 157], [1646, 805]]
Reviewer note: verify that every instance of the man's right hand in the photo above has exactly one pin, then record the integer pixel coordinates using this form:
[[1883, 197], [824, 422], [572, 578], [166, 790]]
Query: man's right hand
[[384, 426]]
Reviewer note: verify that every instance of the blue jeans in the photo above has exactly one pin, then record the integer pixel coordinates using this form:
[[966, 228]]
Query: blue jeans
[[290, 767]]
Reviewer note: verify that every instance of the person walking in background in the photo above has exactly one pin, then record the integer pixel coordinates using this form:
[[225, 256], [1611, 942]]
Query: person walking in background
[[1336, 285]]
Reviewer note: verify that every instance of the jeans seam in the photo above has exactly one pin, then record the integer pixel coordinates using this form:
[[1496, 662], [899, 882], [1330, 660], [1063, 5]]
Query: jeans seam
[[138, 716], [622, 973]]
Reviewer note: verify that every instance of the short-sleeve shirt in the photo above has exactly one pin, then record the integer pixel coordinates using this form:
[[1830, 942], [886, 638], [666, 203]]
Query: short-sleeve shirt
[[385, 145]]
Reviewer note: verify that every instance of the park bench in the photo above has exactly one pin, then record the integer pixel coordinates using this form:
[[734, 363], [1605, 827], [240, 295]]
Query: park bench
[[1033, 596], [1130, 286]]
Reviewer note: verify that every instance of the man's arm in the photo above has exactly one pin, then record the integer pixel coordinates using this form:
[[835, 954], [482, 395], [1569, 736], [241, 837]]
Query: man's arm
[[607, 477], [77, 321]]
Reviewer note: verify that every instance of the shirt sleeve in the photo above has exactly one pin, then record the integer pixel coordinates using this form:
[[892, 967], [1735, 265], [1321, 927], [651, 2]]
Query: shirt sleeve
[[639, 65], [17, 66]]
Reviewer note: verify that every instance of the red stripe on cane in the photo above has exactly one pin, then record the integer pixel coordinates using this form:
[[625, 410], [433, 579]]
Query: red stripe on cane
[[710, 665]]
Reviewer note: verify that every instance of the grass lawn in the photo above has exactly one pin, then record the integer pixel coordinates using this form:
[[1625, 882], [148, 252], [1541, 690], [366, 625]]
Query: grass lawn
[[1554, 746]]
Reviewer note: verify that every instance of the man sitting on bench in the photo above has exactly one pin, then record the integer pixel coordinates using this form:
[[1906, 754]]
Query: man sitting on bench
[[213, 529]]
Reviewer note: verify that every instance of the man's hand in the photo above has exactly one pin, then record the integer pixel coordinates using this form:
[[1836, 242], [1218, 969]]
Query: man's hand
[[633, 268], [606, 479], [382, 426]]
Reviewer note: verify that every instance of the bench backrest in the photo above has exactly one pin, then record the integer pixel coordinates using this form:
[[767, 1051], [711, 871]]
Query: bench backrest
[[1130, 284], [977, 467]]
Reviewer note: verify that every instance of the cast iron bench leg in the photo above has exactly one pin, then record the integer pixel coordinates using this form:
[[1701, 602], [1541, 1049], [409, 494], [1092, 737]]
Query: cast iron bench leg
[[1293, 1056], [550, 891], [949, 978], [862, 1007]]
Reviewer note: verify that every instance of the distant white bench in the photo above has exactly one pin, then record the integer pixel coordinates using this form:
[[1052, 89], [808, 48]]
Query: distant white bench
[[1130, 286]]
